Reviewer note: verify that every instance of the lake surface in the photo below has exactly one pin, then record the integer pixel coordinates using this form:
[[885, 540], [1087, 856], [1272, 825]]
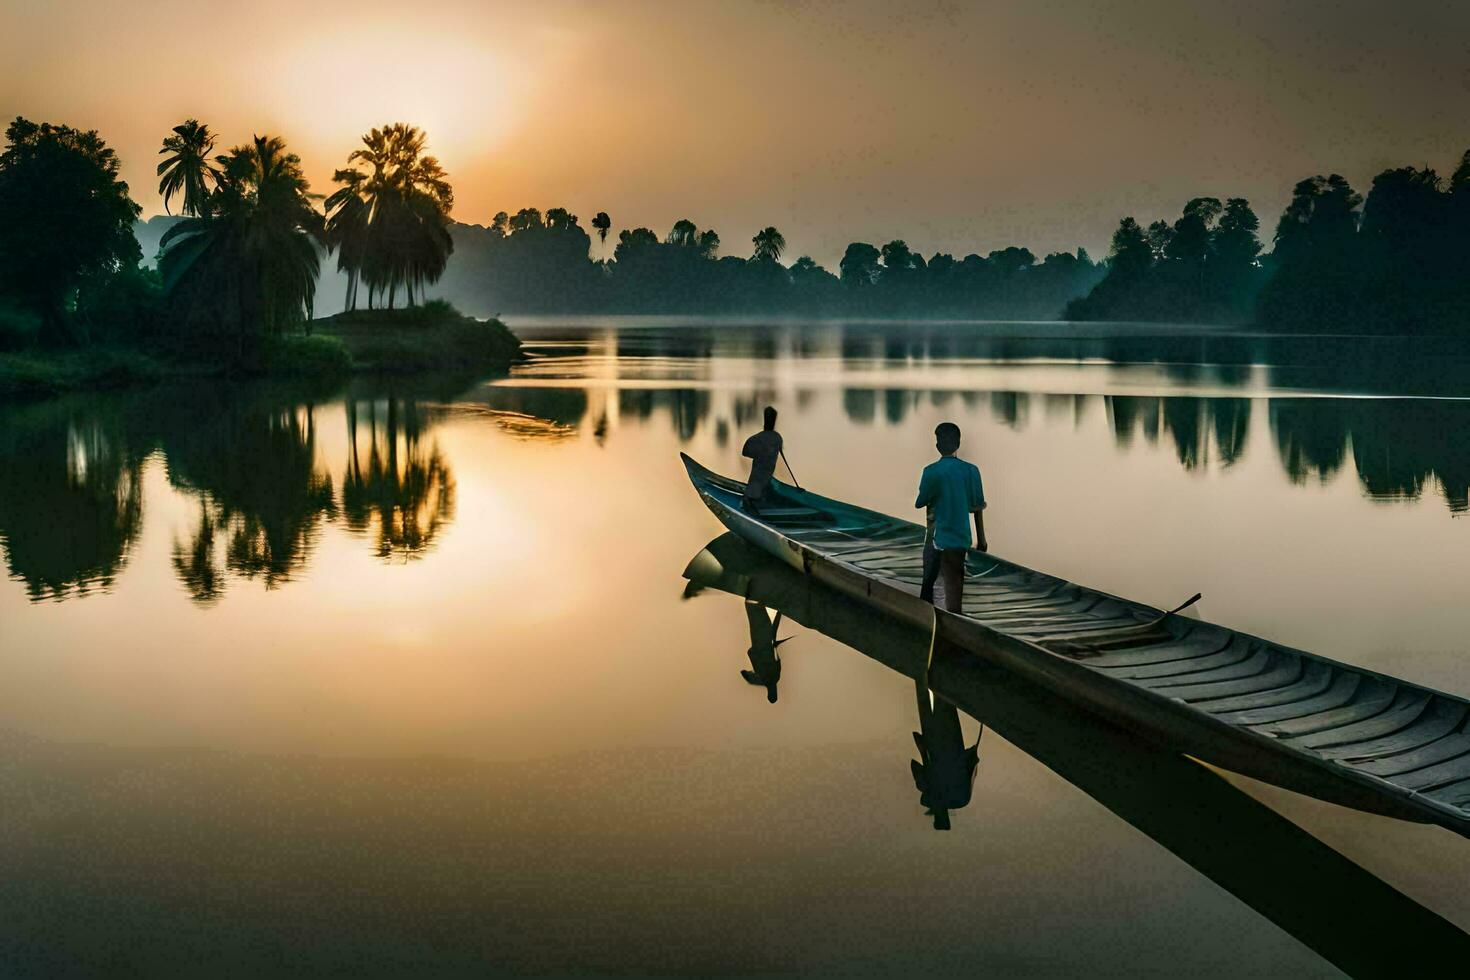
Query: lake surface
[[405, 676]]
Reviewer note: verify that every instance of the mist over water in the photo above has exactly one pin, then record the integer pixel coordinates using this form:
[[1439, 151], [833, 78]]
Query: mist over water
[[401, 674]]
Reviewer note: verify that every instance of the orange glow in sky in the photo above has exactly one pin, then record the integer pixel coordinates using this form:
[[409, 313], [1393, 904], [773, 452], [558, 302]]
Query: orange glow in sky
[[351, 98], [956, 126]]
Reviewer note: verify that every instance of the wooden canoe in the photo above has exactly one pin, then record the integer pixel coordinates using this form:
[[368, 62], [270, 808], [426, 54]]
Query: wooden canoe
[[1309, 724], [1341, 910]]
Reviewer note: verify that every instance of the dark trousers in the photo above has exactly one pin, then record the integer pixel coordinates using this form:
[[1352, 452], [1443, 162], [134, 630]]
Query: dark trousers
[[948, 565], [931, 571]]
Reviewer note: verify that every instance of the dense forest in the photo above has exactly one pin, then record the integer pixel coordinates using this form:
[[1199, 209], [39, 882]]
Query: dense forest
[[1397, 261], [535, 262], [529, 262]]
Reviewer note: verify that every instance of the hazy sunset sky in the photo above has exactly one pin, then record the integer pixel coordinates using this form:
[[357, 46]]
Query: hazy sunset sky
[[959, 127]]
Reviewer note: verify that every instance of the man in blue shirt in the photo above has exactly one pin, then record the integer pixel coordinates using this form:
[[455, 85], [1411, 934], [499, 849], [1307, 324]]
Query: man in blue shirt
[[951, 491]]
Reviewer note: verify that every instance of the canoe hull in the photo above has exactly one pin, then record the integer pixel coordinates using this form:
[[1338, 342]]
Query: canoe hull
[[1165, 721]]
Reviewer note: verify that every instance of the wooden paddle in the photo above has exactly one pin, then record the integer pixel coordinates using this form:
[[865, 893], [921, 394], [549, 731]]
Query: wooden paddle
[[795, 482]]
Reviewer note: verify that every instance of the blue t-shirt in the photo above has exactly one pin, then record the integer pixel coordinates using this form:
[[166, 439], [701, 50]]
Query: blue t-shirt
[[950, 488]]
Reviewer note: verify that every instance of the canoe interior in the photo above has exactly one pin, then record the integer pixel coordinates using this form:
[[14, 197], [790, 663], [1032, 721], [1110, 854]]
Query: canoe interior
[[1288, 717]]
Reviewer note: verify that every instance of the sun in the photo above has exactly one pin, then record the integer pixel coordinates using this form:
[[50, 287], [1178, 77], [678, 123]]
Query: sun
[[456, 90]]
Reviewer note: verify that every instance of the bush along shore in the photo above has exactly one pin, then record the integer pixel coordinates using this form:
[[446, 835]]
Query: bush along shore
[[434, 337], [431, 337]]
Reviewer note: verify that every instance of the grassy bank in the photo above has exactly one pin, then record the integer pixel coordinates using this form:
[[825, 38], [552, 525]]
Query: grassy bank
[[44, 373], [430, 338]]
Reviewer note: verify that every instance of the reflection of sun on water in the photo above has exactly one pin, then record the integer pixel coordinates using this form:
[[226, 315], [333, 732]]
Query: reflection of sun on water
[[519, 424]]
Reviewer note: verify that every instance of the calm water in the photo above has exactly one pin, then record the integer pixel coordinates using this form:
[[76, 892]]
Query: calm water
[[404, 675]]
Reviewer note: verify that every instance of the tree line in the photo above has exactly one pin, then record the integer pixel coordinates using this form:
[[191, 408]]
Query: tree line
[[535, 262], [1395, 261], [242, 262]]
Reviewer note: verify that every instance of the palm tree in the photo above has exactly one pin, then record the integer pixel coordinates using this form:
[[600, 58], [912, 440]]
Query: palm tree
[[249, 262], [603, 224], [390, 222], [347, 228], [189, 170], [769, 244]]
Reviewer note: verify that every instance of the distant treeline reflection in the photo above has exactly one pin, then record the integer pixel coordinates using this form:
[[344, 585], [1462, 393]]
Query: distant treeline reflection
[[1397, 446], [1377, 365]]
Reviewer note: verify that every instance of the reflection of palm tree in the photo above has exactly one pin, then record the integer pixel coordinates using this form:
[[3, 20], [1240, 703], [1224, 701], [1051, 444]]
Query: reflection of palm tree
[[195, 565], [256, 476], [188, 171], [71, 505], [407, 497]]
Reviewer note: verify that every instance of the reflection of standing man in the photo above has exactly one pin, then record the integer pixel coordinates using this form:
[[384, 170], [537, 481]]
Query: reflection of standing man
[[761, 449], [944, 773], [765, 662], [951, 490]]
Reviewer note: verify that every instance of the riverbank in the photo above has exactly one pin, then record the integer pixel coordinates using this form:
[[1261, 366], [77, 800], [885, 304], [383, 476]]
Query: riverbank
[[431, 338]]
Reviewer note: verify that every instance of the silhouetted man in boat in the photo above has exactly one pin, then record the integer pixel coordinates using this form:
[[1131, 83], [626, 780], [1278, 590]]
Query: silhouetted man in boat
[[951, 491], [761, 449]]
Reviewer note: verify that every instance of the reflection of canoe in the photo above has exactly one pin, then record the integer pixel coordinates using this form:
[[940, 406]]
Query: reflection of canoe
[[1326, 729], [1339, 909]]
